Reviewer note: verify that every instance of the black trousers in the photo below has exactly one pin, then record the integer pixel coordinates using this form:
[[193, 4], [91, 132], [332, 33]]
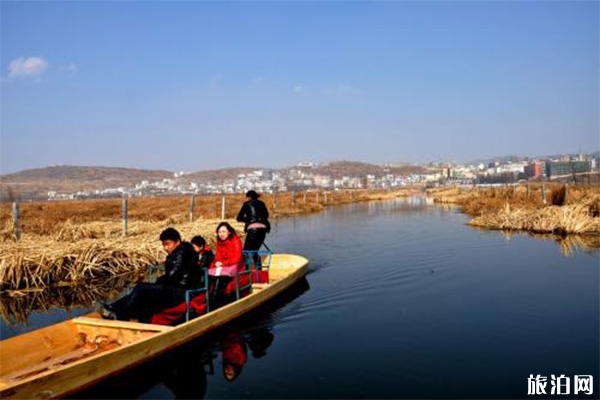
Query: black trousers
[[218, 298], [145, 300], [254, 239]]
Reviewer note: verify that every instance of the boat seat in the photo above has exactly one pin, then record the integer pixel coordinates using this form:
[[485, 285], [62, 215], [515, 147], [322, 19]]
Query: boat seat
[[196, 303], [109, 323], [241, 285], [260, 272]]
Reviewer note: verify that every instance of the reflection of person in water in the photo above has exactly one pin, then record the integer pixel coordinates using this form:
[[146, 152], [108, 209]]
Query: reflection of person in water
[[259, 342], [234, 355], [186, 377]]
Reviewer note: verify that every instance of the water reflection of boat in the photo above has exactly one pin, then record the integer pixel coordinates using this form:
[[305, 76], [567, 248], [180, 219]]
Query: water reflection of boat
[[65, 357], [184, 370]]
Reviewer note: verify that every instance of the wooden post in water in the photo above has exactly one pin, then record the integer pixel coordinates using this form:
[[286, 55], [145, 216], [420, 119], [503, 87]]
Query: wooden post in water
[[124, 212], [191, 210], [304, 199], [16, 212], [223, 207], [543, 193]]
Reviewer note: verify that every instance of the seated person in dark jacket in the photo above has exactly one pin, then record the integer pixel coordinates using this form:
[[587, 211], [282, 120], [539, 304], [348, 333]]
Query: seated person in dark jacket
[[205, 255], [181, 273]]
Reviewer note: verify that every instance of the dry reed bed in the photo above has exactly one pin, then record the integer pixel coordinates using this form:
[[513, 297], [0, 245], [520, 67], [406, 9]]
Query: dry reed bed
[[49, 218], [552, 219], [62, 243], [572, 211], [90, 254]]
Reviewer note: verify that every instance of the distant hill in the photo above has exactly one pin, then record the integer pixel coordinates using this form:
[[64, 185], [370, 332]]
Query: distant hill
[[500, 159], [35, 183], [338, 169], [219, 174]]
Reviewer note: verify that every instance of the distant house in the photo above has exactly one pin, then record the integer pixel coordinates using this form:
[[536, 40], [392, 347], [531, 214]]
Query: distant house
[[534, 170], [558, 168]]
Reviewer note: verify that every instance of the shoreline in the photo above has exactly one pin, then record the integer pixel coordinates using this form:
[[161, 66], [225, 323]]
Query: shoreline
[[557, 209], [57, 250]]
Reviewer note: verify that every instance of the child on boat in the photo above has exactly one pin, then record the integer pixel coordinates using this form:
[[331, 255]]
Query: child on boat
[[205, 254]]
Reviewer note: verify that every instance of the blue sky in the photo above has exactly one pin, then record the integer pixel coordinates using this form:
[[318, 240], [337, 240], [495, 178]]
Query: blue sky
[[190, 85]]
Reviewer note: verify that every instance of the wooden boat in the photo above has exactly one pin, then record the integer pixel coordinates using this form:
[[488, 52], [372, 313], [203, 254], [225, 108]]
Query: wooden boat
[[63, 358]]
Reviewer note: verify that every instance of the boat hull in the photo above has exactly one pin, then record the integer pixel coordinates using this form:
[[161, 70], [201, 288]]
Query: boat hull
[[145, 340]]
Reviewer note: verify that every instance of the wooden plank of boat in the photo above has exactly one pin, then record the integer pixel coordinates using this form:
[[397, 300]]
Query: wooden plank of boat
[[66, 357]]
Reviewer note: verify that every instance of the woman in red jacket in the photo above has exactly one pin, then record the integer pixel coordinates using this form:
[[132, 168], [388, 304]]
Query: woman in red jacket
[[228, 261]]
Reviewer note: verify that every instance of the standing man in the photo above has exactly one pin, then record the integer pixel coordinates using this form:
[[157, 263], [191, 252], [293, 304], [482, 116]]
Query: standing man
[[181, 273], [255, 215]]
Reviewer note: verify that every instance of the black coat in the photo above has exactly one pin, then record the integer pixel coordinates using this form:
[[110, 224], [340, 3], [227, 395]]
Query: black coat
[[181, 268], [254, 211]]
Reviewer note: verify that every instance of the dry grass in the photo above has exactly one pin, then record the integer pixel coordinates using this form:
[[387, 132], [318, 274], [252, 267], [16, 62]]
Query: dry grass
[[52, 218], [89, 254], [566, 210], [81, 243], [552, 219], [73, 252]]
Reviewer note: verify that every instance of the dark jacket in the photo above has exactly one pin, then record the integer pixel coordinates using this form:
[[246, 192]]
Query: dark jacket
[[205, 260], [207, 257], [254, 211], [181, 268]]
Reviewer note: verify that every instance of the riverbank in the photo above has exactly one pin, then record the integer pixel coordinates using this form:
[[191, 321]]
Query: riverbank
[[550, 209], [75, 243]]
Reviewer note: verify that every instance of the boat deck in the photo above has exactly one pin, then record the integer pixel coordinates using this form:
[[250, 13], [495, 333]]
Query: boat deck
[[93, 335]]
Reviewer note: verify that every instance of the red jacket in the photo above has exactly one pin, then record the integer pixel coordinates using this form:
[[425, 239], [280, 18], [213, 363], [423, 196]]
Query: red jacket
[[229, 252]]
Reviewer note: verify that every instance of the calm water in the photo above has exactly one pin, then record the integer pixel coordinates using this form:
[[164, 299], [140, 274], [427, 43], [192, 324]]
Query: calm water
[[402, 300]]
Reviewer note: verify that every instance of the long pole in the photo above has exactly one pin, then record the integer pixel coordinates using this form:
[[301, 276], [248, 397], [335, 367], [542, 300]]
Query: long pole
[[191, 210], [124, 213], [223, 207], [543, 193], [17, 220]]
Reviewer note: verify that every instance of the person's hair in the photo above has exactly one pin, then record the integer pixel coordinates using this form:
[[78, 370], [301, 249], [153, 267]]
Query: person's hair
[[198, 241], [170, 234], [229, 228], [252, 194]]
